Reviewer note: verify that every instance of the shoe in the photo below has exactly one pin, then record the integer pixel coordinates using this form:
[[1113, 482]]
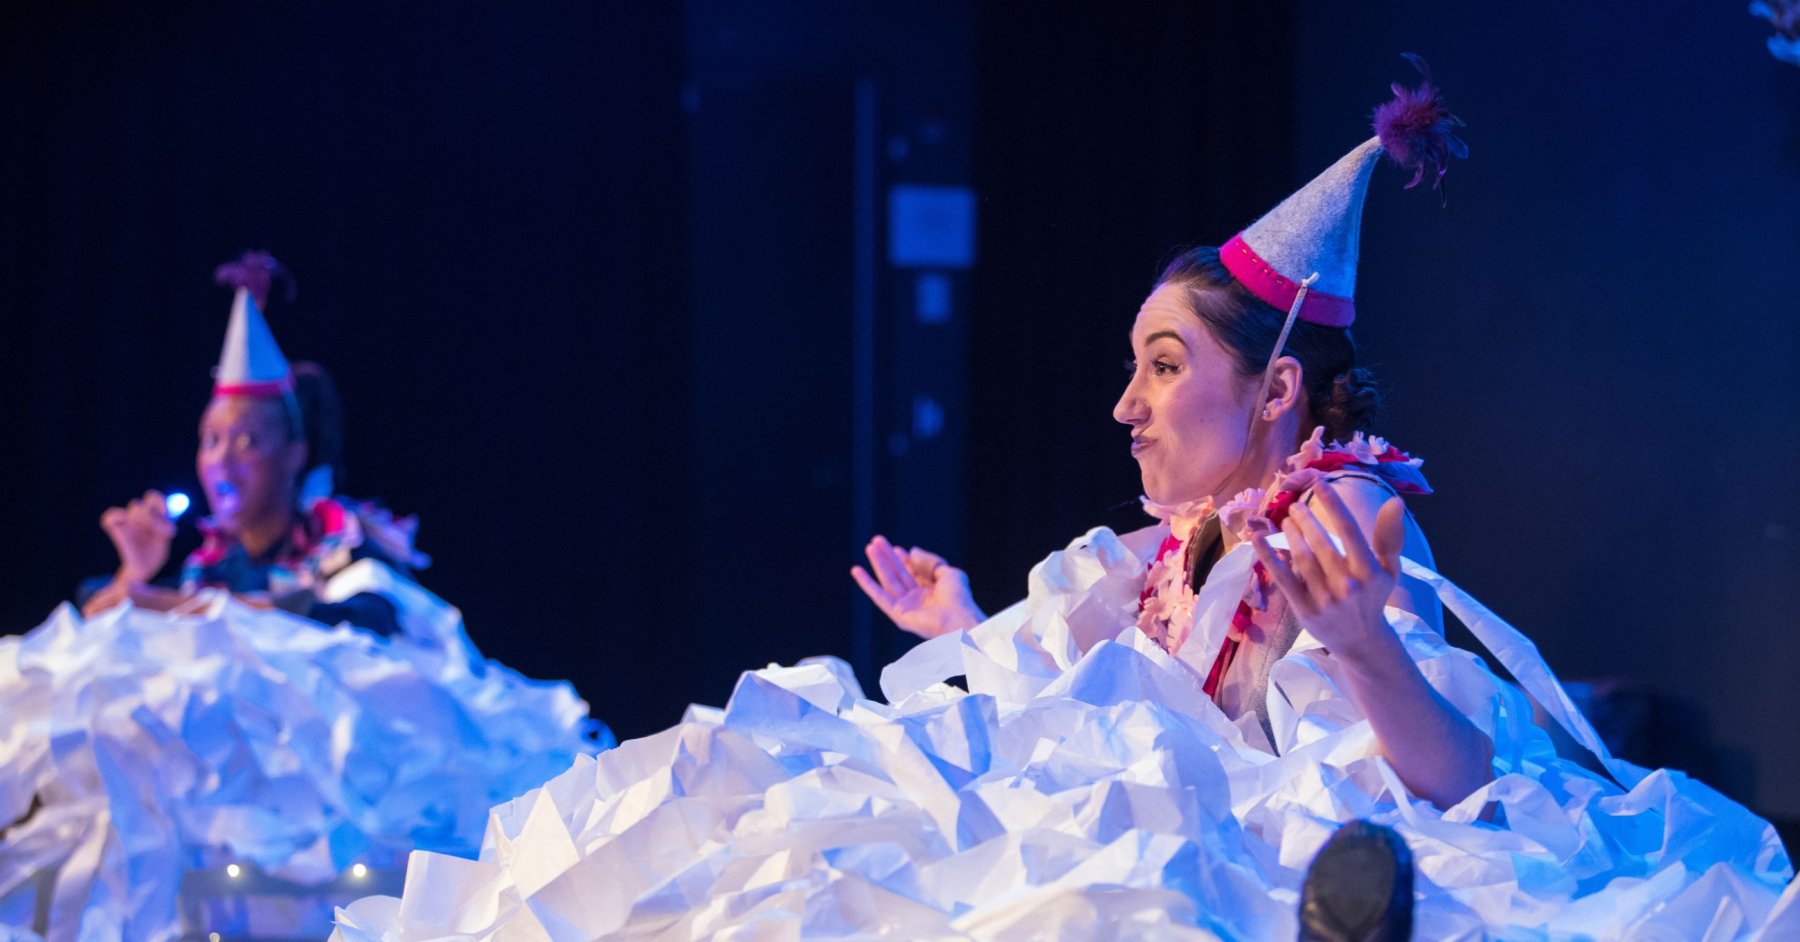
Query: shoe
[[1359, 888]]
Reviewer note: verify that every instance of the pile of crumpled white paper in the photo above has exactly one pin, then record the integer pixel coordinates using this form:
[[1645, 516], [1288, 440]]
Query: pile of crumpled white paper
[[1083, 787], [137, 744]]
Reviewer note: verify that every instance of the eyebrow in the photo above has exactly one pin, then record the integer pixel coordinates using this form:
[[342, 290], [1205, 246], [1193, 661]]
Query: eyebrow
[[1165, 333]]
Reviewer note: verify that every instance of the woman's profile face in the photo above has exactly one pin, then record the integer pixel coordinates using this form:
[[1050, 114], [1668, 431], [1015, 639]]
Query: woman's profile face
[[246, 461], [1186, 404]]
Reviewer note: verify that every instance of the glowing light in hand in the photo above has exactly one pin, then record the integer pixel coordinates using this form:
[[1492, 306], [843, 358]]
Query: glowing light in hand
[[178, 504]]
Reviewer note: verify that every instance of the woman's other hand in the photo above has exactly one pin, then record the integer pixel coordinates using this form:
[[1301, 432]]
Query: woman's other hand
[[917, 590], [148, 597], [1337, 594], [141, 532]]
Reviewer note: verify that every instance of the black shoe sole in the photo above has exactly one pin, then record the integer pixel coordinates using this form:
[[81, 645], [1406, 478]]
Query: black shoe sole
[[1359, 888]]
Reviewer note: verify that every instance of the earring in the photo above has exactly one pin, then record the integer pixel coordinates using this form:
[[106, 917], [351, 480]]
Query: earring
[[1265, 413]]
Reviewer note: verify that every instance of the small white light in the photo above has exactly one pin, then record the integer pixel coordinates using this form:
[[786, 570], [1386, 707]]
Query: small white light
[[358, 871], [212, 937], [177, 504], [233, 871]]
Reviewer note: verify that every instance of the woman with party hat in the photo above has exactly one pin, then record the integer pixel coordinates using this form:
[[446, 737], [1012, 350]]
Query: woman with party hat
[[1158, 741], [237, 755], [1244, 395], [270, 453]]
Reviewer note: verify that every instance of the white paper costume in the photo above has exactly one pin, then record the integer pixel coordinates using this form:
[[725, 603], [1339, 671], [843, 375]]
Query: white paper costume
[[1085, 785], [140, 748], [1095, 794]]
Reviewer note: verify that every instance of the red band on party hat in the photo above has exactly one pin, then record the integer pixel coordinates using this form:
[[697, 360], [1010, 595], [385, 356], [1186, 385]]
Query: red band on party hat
[[1279, 291]]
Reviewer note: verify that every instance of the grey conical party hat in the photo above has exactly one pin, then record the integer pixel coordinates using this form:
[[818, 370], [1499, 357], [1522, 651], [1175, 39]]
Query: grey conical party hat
[[1312, 238]]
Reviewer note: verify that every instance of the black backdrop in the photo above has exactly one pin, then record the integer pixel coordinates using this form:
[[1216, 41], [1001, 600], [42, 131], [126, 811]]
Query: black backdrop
[[493, 216], [483, 207]]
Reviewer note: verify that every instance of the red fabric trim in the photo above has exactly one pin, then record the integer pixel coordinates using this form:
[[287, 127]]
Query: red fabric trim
[[1217, 674], [212, 544], [1278, 290], [1279, 506], [329, 515], [1168, 545]]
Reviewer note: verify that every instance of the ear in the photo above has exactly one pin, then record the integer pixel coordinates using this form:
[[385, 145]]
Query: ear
[[1285, 389], [294, 458]]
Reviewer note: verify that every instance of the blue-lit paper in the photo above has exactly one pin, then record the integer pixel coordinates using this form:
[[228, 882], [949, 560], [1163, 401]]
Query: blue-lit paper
[[1082, 787]]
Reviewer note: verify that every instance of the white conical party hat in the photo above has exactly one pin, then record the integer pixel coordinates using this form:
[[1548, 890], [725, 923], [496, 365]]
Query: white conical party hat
[[251, 363], [1312, 238]]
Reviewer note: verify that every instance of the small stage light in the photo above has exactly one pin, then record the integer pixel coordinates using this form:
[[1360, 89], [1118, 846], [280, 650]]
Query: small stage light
[[178, 504], [233, 871], [358, 871]]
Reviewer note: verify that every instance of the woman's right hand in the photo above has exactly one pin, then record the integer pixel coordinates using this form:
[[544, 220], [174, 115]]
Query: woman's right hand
[[149, 597], [141, 531], [917, 590]]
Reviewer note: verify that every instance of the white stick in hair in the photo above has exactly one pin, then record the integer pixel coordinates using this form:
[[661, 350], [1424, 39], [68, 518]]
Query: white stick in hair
[[1287, 327], [1268, 377]]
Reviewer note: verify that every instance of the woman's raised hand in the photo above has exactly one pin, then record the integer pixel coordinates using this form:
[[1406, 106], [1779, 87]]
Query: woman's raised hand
[[1337, 595], [141, 531], [918, 590]]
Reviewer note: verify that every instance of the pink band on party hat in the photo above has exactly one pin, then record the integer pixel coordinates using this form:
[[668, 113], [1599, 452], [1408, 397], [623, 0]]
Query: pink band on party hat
[[275, 387], [1279, 291]]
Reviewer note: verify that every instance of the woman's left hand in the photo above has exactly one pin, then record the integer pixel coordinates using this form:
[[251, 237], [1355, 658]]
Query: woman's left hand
[[1337, 595]]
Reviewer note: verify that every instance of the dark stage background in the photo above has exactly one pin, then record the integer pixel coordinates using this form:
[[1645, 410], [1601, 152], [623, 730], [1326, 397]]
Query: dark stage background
[[617, 300]]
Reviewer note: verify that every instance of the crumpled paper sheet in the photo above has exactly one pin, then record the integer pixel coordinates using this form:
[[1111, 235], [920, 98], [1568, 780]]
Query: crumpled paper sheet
[[1082, 788], [156, 742]]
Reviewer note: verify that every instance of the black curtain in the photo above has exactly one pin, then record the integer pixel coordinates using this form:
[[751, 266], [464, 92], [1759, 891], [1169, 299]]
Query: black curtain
[[489, 213], [1111, 136], [482, 205]]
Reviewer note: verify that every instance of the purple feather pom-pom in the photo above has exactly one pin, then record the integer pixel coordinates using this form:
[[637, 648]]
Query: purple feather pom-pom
[[255, 272], [1417, 132]]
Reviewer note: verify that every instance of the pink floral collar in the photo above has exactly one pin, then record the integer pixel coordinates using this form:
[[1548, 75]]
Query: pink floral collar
[[1166, 606], [1254, 510]]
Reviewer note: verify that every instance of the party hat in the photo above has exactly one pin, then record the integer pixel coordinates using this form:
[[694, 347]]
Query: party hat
[[251, 363], [1304, 251]]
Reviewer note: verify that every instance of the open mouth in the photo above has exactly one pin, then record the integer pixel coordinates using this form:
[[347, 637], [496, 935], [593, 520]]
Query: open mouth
[[224, 497]]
